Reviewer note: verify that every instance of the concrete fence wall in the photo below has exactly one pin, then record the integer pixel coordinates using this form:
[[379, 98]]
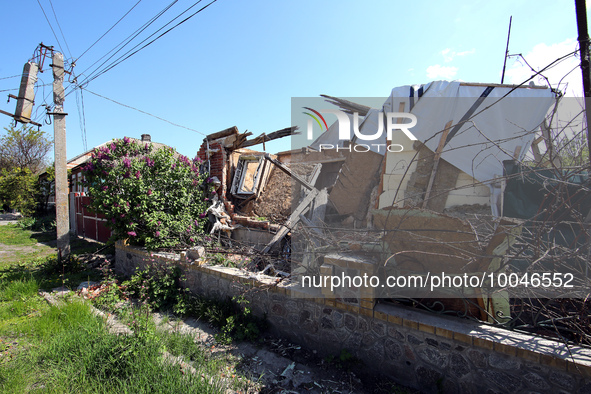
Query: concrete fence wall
[[433, 353]]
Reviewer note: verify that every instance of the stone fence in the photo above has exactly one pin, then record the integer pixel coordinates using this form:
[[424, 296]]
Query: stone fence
[[422, 350]]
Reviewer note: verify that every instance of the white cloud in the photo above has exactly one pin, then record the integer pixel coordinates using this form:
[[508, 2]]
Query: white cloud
[[565, 75], [438, 71], [449, 55]]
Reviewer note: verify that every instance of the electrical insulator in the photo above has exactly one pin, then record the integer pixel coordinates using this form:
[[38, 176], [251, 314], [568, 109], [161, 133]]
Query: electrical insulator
[[26, 93]]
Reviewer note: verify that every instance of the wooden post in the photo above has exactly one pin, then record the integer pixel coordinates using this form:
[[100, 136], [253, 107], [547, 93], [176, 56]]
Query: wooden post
[[581, 10], [436, 162]]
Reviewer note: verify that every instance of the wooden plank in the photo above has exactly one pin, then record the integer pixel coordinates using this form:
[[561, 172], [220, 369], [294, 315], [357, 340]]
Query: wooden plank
[[224, 133], [436, 161], [261, 139], [347, 106], [292, 220]]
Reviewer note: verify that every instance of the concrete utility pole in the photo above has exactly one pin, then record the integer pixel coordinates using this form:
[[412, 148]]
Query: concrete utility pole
[[61, 172], [581, 11]]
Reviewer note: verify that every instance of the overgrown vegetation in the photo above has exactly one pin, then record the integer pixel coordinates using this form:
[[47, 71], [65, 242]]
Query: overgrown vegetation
[[159, 288], [152, 197]]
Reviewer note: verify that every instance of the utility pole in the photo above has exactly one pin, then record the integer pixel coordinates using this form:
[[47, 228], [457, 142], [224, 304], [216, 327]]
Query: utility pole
[[581, 11], [61, 172], [506, 50]]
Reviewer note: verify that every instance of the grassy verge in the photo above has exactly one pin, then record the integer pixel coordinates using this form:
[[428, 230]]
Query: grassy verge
[[46, 348]]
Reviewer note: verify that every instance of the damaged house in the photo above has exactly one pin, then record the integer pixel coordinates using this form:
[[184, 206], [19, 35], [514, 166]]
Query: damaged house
[[429, 204]]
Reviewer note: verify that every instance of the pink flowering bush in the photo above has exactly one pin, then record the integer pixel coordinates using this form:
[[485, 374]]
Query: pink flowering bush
[[148, 195]]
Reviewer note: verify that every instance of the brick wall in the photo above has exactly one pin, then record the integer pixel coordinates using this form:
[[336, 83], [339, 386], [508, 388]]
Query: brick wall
[[429, 352], [218, 161]]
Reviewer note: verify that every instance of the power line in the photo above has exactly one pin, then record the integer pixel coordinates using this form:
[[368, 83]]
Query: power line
[[116, 23], [58, 25], [143, 112], [51, 27], [14, 76], [122, 59], [82, 116], [130, 38]]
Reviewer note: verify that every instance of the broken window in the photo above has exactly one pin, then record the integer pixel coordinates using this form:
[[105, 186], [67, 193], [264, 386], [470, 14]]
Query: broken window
[[247, 177]]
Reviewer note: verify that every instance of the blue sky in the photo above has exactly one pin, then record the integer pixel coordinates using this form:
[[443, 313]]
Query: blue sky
[[238, 63]]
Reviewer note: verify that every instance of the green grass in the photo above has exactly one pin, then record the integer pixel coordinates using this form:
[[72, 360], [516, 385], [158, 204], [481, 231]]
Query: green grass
[[68, 349], [21, 245], [53, 349], [62, 349], [12, 234]]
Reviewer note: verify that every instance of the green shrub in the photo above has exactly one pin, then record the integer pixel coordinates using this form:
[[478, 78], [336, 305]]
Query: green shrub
[[150, 197]]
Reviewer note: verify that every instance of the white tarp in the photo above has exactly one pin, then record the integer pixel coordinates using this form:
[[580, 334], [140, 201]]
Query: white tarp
[[500, 122]]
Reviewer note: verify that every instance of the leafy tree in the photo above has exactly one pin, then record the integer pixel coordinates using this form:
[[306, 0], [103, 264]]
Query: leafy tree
[[22, 148], [45, 187], [150, 197], [17, 190]]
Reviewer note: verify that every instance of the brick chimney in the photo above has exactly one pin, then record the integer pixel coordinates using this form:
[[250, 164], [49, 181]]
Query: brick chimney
[[146, 138]]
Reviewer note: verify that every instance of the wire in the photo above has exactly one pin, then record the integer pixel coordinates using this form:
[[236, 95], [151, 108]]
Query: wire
[[81, 115], [121, 59], [58, 25], [14, 76], [143, 112], [49, 23], [116, 23], [128, 39], [127, 55]]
